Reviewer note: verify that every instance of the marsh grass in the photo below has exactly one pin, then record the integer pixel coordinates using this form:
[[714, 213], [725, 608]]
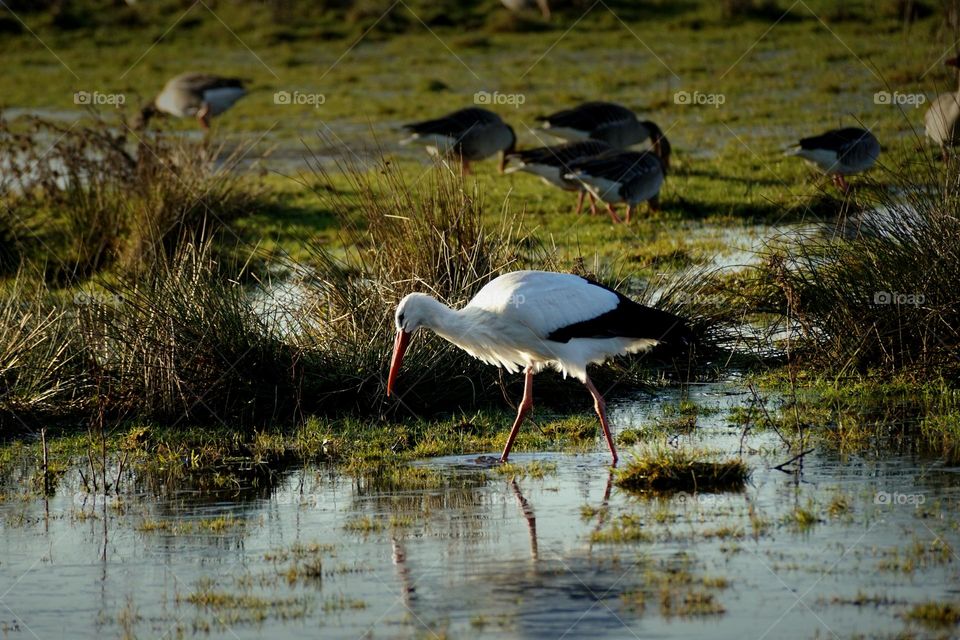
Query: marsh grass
[[39, 358], [89, 200], [183, 342], [874, 292], [661, 468]]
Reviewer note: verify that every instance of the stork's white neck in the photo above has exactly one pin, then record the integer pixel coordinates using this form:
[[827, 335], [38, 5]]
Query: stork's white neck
[[439, 318]]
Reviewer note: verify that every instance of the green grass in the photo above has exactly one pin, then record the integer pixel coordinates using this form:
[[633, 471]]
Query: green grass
[[661, 468], [935, 614]]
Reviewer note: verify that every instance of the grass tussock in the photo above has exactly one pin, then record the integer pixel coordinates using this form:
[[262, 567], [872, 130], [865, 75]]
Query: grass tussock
[[89, 199], [39, 357], [185, 343], [661, 468], [876, 292]]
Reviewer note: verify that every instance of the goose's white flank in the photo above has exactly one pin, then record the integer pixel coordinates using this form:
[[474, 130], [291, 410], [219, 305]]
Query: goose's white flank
[[840, 152]]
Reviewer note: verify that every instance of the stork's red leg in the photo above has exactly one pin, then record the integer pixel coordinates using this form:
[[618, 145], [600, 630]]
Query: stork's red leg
[[593, 204], [601, 408], [525, 406], [579, 202]]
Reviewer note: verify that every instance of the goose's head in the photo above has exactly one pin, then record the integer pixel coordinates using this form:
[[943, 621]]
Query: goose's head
[[661, 146]]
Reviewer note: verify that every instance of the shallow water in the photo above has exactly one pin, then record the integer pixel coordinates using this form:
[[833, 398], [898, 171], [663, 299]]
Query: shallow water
[[469, 552]]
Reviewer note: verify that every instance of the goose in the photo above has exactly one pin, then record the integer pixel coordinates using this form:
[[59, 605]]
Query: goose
[[840, 152], [193, 95], [631, 177], [942, 120], [528, 5], [533, 320], [612, 123], [468, 134], [552, 164]]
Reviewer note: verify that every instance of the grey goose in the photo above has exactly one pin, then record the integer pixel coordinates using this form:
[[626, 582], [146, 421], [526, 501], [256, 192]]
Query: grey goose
[[552, 164], [840, 152], [193, 95], [608, 122], [942, 120], [630, 177], [469, 134]]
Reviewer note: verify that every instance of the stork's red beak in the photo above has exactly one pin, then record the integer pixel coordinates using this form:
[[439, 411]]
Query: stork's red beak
[[399, 348]]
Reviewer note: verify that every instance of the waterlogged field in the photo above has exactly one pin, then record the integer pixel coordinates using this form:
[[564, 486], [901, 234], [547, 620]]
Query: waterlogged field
[[202, 337], [844, 544]]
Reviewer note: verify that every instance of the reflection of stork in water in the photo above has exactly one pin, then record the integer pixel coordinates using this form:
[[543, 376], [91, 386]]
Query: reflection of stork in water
[[527, 509], [408, 591], [531, 519]]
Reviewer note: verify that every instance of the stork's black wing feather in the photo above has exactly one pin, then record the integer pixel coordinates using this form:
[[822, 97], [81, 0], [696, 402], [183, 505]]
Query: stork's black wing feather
[[628, 319]]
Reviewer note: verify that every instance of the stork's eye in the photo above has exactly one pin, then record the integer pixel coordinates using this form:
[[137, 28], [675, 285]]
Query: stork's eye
[[400, 319]]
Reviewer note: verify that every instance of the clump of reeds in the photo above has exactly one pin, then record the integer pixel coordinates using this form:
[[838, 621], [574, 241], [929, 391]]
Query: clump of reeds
[[39, 358], [100, 200], [183, 343], [877, 291], [662, 468]]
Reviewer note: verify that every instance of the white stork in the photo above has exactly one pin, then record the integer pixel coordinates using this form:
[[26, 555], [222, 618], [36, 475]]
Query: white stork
[[532, 320]]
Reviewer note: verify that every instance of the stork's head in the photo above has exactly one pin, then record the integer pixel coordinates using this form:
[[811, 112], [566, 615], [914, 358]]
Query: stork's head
[[411, 315]]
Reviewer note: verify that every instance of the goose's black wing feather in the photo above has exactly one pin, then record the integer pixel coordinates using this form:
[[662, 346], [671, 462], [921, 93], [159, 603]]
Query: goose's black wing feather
[[562, 155], [589, 115], [454, 124], [837, 140]]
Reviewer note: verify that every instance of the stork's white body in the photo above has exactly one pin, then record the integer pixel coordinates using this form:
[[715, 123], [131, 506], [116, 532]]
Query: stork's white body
[[509, 321]]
